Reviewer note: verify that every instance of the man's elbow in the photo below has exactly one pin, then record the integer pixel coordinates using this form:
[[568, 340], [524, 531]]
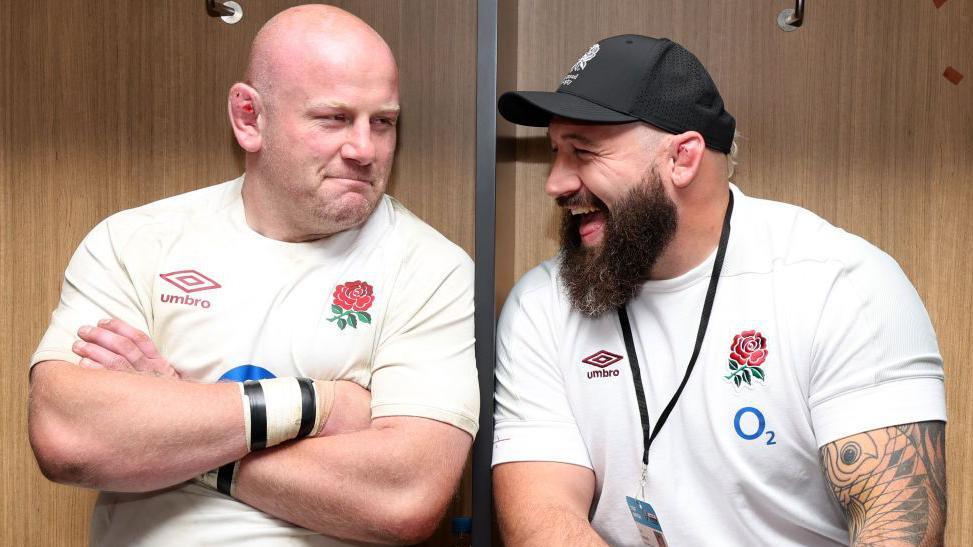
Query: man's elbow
[[61, 454], [415, 520], [411, 515], [58, 456], [422, 502], [395, 524]]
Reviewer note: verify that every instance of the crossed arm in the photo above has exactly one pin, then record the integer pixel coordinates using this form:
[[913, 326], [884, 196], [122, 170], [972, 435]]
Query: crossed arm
[[107, 427]]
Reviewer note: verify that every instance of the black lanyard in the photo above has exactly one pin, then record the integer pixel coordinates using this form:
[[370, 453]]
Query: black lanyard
[[703, 323]]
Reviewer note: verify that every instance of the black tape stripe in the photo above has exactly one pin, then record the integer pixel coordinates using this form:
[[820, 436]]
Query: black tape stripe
[[308, 407], [224, 478], [258, 414]]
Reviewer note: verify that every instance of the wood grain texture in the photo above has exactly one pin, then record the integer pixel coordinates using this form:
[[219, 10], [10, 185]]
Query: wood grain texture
[[507, 164], [105, 105], [850, 117]]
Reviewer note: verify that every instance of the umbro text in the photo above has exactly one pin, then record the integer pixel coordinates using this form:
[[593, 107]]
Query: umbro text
[[185, 300], [601, 373]]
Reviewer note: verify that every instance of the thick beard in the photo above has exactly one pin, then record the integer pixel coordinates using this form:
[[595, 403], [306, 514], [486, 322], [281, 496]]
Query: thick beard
[[638, 230]]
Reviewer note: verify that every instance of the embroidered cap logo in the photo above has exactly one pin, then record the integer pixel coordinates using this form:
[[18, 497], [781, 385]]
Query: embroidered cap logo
[[583, 61], [581, 64]]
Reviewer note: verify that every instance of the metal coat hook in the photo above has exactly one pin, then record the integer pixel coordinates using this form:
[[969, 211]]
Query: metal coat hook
[[790, 19], [230, 12]]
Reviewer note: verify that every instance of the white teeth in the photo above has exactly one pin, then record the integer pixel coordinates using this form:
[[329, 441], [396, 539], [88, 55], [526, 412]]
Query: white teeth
[[583, 210]]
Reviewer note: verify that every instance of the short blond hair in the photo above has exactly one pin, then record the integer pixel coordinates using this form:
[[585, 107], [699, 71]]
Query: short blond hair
[[731, 158]]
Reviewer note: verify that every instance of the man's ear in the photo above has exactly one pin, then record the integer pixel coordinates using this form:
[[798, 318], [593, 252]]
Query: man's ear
[[245, 109], [685, 155]]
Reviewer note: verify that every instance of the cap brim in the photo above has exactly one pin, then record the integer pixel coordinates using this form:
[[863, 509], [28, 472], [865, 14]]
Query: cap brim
[[536, 108]]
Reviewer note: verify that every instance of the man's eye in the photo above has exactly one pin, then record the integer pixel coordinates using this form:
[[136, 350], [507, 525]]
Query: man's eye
[[582, 152], [385, 121]]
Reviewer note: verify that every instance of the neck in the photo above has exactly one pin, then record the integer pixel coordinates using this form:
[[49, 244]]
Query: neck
[[698, 235], [271, 216]]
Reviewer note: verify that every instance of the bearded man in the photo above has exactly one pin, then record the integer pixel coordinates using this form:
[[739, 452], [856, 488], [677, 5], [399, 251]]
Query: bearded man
[[699, 367]]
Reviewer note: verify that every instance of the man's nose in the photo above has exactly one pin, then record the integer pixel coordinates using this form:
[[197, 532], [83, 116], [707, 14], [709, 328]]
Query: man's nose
[[359, 146], [562, 181]]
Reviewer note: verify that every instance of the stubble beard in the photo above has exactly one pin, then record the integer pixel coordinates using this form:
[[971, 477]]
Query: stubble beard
[[603, 278], [318, 210]]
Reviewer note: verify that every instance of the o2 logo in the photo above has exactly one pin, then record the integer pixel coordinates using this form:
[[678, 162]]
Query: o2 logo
[[245, 373], [746, 431]]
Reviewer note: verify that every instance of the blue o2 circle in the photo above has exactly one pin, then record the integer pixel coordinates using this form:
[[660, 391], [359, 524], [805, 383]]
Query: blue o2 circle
[[245, 373], [761, 423]]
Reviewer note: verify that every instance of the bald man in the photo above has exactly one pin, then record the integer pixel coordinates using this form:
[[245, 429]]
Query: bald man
[[207, 365]]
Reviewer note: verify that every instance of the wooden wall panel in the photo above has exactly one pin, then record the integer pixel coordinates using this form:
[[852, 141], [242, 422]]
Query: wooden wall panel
[[106, 105], [850, 117]]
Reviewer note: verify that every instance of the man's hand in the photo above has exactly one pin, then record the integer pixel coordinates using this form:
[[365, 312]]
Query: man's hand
[[115, 345], [891, 483]]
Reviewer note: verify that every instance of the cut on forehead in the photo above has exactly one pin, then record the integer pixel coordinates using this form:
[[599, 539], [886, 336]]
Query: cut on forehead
[[312, 30]]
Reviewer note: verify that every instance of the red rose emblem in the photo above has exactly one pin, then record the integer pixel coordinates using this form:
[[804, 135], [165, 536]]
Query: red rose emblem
[[749, 348], [351, 299], [747, 352], [354, 295]]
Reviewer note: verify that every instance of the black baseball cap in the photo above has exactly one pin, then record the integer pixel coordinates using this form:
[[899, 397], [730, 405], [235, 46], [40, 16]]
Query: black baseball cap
[[629, 78]]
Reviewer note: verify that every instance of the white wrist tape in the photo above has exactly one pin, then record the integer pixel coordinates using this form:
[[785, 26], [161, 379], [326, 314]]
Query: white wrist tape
[[222, 479], [274, 411], [281, 409]]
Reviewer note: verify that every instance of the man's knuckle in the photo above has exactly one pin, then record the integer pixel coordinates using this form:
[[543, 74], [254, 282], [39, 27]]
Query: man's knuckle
[[127, 346], [117, 363]]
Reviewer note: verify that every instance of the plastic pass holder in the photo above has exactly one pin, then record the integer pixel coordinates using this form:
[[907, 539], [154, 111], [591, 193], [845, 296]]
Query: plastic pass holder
[[647, 522], [645, 518]]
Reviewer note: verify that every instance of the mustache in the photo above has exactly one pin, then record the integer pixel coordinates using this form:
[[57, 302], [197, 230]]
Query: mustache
[[581, 199]]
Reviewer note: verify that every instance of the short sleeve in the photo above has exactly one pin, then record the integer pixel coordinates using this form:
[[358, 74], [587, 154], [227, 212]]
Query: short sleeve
[[534, 421], [425, 365], [96, 286], [875, 361]]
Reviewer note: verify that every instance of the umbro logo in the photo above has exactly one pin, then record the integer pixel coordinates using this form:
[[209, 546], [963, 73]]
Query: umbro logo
[[601, 359], [188, 281]]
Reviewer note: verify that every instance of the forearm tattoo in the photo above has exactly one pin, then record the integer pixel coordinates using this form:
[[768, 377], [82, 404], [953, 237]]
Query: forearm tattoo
[[891, 483]]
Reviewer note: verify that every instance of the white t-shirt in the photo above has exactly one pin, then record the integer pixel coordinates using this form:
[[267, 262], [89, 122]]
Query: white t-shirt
[[849, 348], [388, 305]]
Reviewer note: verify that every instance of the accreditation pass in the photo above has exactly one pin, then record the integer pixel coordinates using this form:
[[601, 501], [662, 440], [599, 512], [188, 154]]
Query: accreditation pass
[[647, 522]]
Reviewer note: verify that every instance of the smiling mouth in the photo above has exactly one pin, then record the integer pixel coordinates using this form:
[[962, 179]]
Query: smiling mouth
[[590, 214], [582, 210], [591, 227]]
